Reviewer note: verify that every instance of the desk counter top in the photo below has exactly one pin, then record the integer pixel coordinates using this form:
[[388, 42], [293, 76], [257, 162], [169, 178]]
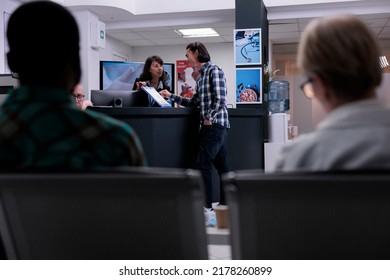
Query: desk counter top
[[170, 135], [157, 111]]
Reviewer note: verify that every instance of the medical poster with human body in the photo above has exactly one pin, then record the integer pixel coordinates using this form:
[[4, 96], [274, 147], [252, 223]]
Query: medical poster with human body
[[186, 78], [247, 46]]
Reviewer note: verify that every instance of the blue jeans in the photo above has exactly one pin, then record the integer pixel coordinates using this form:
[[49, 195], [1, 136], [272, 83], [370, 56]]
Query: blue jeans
[[212, 151]]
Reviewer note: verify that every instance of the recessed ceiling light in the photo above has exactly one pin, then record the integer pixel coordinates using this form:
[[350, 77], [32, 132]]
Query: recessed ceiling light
[[383, 61], [198, 32]]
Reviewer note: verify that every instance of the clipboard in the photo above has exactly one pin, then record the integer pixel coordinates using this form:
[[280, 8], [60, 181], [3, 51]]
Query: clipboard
[[156, 96]]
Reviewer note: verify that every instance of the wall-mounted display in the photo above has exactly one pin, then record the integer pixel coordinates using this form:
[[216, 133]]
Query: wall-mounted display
[[247, 46], [118, 75], [248, 85]]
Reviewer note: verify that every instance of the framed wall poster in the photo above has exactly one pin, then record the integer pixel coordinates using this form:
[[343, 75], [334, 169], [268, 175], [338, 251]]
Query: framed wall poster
[[186, 78], [247, 46], [249, 85]]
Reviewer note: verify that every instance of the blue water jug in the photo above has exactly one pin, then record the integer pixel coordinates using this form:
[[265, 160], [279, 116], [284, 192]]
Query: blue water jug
[[278, 96]]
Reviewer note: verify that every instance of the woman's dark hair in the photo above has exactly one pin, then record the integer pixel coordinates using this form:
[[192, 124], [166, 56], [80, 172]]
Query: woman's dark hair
[[203, 54], [147, 76]]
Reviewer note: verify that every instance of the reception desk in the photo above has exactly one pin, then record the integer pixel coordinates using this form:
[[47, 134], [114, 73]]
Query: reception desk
[[169, 136]]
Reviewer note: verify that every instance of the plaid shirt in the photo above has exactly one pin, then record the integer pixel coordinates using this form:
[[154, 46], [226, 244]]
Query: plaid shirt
[[43, 128], [210, 95]]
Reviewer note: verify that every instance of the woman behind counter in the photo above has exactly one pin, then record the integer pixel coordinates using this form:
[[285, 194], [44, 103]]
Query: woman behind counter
[[153, 75]]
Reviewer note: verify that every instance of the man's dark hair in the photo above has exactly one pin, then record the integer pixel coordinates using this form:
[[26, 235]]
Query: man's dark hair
[[43, 39], [203, 54]]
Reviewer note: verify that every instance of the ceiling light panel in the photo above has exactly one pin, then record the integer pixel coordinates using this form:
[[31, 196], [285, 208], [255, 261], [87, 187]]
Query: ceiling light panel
[[197, 32]]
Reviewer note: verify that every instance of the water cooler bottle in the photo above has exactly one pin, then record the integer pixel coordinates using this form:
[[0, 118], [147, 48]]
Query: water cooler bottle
[[278, 105]]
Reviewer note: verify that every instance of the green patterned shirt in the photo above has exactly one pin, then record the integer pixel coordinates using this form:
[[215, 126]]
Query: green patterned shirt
[[43, 128]]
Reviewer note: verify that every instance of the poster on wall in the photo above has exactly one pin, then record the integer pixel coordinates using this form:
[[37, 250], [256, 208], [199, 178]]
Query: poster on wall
[[186, 78], [248, 85], [247, 46]]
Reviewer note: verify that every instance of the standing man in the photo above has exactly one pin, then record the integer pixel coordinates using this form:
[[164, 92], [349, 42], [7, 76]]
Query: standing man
[[210, 96]]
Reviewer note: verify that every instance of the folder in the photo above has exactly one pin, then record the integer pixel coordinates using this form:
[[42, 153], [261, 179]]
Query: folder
[[156, 96]]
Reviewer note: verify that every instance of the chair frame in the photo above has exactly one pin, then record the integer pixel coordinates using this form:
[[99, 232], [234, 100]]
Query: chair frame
[[100, 215], [318, 215]]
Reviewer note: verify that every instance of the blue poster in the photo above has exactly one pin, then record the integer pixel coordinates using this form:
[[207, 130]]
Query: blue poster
[[248, 85], [247, 46]]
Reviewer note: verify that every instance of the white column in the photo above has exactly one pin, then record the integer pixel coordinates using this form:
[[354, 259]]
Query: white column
[[89, 56]]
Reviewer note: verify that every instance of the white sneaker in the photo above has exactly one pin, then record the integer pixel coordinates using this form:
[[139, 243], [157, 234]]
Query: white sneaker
[[210, 219]]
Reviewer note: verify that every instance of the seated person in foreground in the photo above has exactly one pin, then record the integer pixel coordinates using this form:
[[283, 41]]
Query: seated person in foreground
[[153, 75], [40, 124], [339, 55]]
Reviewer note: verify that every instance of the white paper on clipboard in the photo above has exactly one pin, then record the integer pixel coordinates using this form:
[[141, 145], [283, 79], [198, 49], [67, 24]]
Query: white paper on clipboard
[[156, 96]]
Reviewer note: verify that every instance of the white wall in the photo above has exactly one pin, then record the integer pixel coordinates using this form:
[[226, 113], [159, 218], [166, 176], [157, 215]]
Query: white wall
[[115, 50], [89, 57], [5, 7], [384, 89]]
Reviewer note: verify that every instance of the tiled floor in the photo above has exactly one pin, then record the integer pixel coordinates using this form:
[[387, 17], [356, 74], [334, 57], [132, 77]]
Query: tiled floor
[[219, 252], [218, 243]]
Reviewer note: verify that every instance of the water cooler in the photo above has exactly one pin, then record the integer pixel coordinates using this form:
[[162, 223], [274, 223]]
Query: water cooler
[[278, 105], [278, 127]]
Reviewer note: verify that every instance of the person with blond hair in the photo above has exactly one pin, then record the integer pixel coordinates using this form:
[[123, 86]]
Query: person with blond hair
[[339, 56]]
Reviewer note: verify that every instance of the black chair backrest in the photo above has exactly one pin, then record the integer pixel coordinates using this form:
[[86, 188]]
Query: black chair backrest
[[309, 215], [136, 213]]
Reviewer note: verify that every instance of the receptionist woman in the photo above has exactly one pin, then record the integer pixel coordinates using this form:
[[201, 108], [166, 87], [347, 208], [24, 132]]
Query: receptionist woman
[[153, 75]]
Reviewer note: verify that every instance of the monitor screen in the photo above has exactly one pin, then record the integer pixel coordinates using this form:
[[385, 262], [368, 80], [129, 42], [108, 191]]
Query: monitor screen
[[118, 75], [119, 98], [7, 83]]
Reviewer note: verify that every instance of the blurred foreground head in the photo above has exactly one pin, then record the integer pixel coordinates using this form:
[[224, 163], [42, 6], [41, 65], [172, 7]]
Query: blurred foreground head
[[43, 40], [342, 53]]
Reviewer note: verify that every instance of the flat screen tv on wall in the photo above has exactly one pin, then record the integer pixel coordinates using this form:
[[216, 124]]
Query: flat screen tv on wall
[[7, 83], [118, 75]]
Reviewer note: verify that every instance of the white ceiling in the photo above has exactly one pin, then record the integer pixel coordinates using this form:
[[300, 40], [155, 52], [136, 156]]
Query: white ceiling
[[286, 21]]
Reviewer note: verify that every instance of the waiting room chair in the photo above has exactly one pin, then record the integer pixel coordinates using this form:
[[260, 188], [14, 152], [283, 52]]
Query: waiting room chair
[[309, 216], [130, 213]]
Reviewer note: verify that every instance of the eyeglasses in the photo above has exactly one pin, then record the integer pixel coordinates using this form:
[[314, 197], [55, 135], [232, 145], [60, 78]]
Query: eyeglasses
[[307, 88], [79, 96]]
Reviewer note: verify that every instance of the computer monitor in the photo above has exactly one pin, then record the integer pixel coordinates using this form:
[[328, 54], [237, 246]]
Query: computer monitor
[[119, 98], [7, 83]]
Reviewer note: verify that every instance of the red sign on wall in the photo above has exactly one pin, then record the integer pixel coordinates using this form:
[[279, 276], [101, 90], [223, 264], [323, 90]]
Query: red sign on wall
[[186, 78]]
